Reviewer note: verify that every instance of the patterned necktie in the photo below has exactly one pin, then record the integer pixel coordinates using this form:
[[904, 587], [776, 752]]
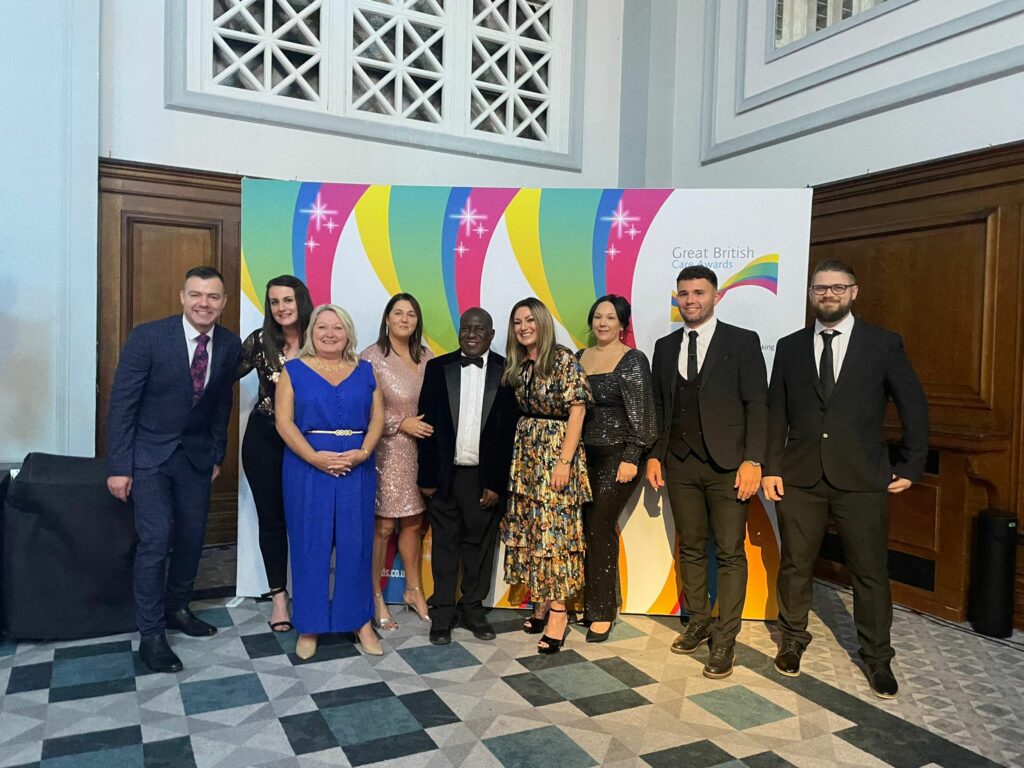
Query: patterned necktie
[[826, 368], [691, 357], [200, 360]]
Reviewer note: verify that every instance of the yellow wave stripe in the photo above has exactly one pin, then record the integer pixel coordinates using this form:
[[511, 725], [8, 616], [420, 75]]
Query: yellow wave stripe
[[522, 219], [372, 219], [248, 289]]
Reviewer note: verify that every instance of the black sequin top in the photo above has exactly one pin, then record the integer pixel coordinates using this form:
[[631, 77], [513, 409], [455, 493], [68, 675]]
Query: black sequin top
[[268, 370], [623, 411]]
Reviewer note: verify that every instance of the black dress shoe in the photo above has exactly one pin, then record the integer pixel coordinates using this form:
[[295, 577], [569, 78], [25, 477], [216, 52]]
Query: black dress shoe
[[787, 660], [185, 621], [481, 628], [720, 662], [440, 636], [882, 680], [695, 633], [157, 654]]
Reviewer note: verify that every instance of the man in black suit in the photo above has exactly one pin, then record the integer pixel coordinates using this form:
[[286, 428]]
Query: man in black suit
[[828, 458], [463, 469], [710, 398], [166, 438]]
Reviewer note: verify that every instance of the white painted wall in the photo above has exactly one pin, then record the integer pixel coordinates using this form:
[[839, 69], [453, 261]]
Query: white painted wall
[[48, 216], [135, 125], [985, 114]]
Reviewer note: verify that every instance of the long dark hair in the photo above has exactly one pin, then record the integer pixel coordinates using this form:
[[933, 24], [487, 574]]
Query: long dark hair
[[415, 341], [273, 336], [515, 353]]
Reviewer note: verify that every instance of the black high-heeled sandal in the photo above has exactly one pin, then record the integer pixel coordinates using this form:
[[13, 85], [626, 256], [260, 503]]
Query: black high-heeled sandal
[[534, 625], [554, 645], [599, 637]]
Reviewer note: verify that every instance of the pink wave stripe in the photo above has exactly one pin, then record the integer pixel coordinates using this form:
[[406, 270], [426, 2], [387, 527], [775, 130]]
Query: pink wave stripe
[[339, 199], [469, 267], [768, 283], [644, 204], [619, 267]]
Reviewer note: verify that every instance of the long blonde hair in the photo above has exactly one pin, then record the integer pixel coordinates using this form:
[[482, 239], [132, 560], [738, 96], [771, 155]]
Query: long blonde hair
[[515, 353], [349, 355]]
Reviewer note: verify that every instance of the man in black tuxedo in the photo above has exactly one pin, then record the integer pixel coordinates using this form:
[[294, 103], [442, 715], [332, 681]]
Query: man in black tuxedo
[[828, 458], [463, 469], [710, 397], [166, 438]]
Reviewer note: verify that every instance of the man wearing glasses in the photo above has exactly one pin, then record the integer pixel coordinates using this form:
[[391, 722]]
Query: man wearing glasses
[[828, 460]]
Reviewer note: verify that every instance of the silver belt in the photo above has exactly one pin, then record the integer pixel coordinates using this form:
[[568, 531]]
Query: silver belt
[[338, 432]]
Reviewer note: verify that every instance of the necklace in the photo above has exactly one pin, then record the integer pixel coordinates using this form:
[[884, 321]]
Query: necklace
[[320, 365]]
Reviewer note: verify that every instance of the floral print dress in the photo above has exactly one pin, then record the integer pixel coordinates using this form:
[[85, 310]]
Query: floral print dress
[[543, 528]]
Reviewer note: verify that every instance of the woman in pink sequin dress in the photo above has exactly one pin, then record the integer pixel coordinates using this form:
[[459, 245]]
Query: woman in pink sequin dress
[[399, 358]]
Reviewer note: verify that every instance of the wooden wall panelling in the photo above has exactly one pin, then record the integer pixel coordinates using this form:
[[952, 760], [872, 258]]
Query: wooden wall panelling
[[938, 251], [155, 223]]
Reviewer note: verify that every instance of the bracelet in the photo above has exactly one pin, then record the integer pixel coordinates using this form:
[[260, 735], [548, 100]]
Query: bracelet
[[564, 462], [366, 452]]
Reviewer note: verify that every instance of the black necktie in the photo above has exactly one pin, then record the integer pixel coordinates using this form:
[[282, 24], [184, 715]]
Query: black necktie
[[477, 361], [826, 369], [691, 357]]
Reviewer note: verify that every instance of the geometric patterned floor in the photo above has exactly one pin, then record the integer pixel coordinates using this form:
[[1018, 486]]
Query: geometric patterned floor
[[244, 699]]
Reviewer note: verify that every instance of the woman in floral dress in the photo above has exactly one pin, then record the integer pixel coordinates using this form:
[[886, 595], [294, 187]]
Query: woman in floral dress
[[548, 486]]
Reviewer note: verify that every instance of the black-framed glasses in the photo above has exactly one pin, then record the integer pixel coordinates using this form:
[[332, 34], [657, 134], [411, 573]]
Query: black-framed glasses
[[837, 288]]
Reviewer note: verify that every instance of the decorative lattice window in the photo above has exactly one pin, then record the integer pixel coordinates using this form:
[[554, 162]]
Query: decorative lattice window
[[496, 71], [797, 19]]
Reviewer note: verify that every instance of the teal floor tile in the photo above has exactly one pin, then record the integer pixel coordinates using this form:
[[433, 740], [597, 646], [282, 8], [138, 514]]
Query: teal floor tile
[[541, 747], [576, 681], [369, 720], [119, 757], [427, 659], [222, 693], [219, 617], [92, 669], [740, 707]]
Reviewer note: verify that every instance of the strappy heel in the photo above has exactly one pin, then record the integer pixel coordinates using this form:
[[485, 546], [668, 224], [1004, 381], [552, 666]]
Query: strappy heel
[[425, 616], [284, 625], [553, 645], [534, 625], [384, 625]]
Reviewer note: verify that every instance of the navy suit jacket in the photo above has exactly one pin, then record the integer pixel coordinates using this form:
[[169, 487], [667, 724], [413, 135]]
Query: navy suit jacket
[[151, 410], [843, 438]]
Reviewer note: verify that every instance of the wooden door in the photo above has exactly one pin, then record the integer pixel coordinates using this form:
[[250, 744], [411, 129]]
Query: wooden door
[[155, 224]]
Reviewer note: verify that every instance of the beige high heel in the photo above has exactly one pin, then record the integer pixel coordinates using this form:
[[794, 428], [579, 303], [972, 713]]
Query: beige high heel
[[372, 647], [305, 647], [425, 616]]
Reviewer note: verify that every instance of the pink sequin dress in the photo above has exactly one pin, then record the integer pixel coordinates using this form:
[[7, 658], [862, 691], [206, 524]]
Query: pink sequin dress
[[397, 493]]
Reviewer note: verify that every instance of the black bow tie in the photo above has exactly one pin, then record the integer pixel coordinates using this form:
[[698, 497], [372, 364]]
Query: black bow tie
[[477, 361]]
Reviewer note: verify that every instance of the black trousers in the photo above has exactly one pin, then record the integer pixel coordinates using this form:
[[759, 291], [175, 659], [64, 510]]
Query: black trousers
[[862, 520], [262, 456], [461, 530], [171, 502], [703, 500], [601, 564]]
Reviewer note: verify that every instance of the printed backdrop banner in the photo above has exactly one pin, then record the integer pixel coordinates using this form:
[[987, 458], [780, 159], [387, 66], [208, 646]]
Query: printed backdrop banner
[[457, 247]]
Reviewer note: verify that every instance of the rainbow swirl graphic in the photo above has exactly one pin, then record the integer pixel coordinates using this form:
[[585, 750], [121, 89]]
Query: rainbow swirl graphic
[[762, 272]]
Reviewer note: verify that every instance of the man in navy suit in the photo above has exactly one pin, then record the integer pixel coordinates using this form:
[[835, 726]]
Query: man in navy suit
[[828, 460], [463, 469], [166, 439]]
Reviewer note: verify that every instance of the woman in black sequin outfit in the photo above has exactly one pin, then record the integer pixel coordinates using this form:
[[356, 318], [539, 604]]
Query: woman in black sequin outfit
[[287, 307], [618, 431]]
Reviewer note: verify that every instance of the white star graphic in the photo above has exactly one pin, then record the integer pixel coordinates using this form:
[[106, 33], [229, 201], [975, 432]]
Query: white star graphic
[[632, 232], [311, 244], [619, 219], [612, 252], [318, 212], [468, 216], [331, 226], [481, 230], [461, 249]]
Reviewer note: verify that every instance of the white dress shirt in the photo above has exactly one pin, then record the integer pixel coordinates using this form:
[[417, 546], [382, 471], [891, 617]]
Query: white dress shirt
[[471, 411], [705, 333], [839, 342], [192, 339]]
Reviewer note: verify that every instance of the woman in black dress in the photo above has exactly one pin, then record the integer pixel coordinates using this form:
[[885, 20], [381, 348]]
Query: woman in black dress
[[287, 307], [618, 431]]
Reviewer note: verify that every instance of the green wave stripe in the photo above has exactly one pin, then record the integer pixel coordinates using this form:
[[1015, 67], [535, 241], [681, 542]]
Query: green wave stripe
[[267, 211]]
